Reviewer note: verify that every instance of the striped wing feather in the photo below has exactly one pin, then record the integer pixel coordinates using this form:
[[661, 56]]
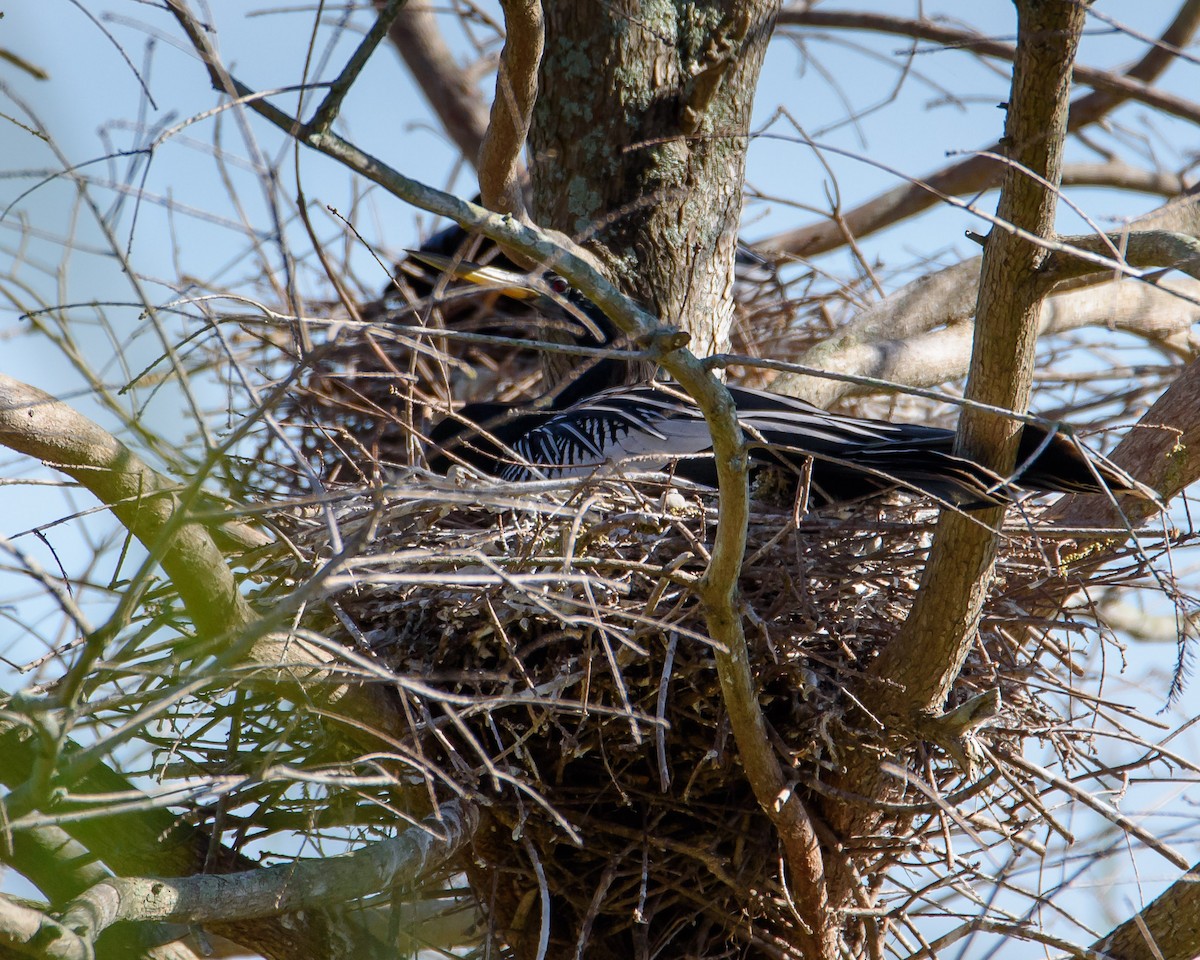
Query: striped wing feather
[[654, 427]]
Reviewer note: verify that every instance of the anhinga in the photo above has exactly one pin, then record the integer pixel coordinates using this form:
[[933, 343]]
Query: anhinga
[[590, 427]]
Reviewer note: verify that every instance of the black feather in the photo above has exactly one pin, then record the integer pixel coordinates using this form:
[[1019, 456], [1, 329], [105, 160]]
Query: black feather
[[653, 427]]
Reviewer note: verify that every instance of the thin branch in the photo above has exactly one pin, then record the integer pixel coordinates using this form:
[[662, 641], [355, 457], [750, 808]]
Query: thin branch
[[155, 510], [500, 167], [928, 359], [1146, 248], [332, 104], [978, 173], [1162, 451], [146, 841], [1130, 86], [1091, 800], [58, 864], [945, 297], [450, 91]]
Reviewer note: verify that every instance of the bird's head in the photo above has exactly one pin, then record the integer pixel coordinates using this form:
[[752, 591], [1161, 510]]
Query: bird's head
[[546, 292]]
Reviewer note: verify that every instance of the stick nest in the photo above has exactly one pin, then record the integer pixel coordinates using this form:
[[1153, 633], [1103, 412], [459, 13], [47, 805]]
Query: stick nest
[[554, 665]]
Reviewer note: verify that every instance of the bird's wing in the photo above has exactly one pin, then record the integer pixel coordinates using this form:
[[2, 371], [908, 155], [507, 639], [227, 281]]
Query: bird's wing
[[652, 426], [642, 427]]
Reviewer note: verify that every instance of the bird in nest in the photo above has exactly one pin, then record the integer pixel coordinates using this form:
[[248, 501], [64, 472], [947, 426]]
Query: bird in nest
[[591, 428]]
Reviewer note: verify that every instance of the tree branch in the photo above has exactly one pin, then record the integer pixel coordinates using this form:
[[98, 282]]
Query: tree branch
[[1162, 451], [222, 900], [500, 167], [450, 92], [328, 110], [33, 933], [152, 509], [36, 424], [1088, 255], [946, 609], [1167, 929], [1123, 176], [54, 861], [912, 675], [149, 841], [720, 596], [285, 888], [891, 339], [1131, 86], [978, 173]]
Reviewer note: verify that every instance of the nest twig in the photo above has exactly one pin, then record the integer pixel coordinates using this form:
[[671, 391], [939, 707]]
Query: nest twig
[[567, 683]]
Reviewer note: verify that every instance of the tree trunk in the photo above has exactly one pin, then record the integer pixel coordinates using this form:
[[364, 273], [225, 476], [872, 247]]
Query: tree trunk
[[642, 158]]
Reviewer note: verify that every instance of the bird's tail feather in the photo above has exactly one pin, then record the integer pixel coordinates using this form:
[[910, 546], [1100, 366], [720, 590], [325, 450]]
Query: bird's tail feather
[[1047, 462]]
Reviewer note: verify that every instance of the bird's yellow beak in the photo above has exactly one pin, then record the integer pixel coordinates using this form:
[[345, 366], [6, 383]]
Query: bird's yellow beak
[[518, 286]]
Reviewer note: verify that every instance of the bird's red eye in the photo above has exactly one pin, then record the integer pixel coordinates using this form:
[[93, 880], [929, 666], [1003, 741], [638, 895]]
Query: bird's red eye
[[558, 284]]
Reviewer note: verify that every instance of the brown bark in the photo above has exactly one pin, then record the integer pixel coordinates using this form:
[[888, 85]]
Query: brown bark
[[640, 152], [912, 676], [501, 173], [1168, 929]]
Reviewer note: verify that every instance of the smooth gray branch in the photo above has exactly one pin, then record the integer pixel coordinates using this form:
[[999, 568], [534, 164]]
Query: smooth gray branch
[[921, 335], [226, 898], [280, 889]]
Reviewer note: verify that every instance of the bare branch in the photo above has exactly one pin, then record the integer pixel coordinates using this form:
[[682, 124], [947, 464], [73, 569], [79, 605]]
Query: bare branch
[[36, 424], [33, 933], [500, 167], [891, 339], [946, 610], [1089, 255], [328, 110], [286, 888], [1123, 176], [1130, 86], [449, 90], [58, 864], [911, 676], [155, 510], [978, 173], [928, 359], [1162, 451], [144, 841], [1167, 929], [946, 297]]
